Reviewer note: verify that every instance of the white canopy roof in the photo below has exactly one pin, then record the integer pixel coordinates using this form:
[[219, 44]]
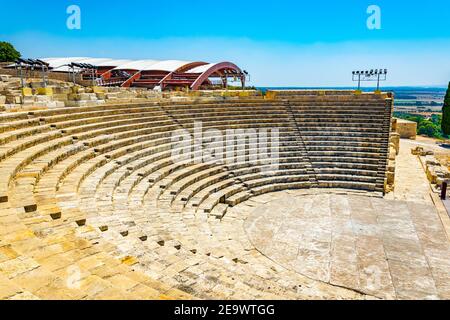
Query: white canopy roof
[[201, 69], [137, 65], [60, 64], [149, 65], [170, 65]]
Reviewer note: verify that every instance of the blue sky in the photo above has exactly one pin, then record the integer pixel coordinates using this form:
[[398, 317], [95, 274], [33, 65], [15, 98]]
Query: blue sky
[[281, 43]]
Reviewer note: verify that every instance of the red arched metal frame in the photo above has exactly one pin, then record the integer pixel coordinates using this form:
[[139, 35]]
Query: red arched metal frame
[[184, 68], [218, 69], [214, 69], [133, 78]]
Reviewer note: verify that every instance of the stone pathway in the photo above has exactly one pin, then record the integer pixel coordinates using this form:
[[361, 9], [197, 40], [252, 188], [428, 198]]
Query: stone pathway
[[385, 248], [411, 183]]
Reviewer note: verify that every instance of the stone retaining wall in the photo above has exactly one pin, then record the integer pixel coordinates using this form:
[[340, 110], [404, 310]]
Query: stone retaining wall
[[406, 129]]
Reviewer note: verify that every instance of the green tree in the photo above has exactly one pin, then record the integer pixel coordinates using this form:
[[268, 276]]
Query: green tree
[[446, 113], [8, 53], [428, 128]]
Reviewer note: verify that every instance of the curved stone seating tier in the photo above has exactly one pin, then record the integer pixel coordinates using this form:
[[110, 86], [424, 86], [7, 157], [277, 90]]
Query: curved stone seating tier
[[12, 165], [345, 133], [97, 190]]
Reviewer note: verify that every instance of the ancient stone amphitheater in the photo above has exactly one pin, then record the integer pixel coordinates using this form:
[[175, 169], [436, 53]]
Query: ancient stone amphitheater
[[93, 207]]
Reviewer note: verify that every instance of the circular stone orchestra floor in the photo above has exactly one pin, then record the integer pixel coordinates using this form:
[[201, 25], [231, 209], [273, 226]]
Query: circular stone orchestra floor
[[389, 249]]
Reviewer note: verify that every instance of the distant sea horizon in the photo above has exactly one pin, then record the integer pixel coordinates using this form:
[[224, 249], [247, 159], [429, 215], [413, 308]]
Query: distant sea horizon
[[437, 88], [405, 96]]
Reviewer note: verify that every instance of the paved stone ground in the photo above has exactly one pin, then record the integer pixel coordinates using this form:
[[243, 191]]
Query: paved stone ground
[[411, 183], [385, 248]]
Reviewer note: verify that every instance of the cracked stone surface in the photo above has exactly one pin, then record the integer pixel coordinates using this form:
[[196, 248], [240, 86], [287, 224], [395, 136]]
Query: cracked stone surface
[[385, 248]]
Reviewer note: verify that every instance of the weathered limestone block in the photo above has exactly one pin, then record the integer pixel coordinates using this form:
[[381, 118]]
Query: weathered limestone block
[[78, 89], [395, 140], [391, 178], [98, 90], [43, 98], [13, 99], [416, 151], [36, 85], [61, 96], [2, 100], [394, 125], [28, 100], [5, 78], [392, 153], [47, 91], [419, 151], [431, 174], [111, 96], [101, 95], [86, 96], [62, 90], [436, 173], [73, 97], [55, 104], [431, 161], [84, 103], [27, 92], [444, 172], [406, 129]]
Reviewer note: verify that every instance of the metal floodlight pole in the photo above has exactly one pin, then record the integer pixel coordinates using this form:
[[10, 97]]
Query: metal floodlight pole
[[31, 74], [370, 75], [22, 83], [43, 76], [73, 75], [225, 81], [378, 82]]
